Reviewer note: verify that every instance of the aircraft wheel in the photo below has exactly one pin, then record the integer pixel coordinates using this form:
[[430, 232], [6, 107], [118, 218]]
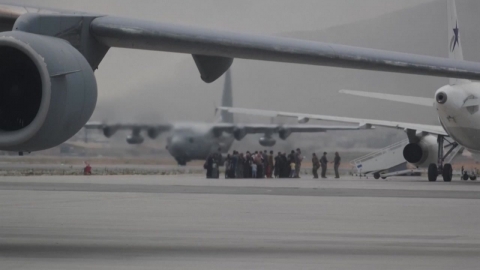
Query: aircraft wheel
[[447, 173], [376, 176], [473, 177], [384, 178], [181, 162], [432, 173], [465, 177]]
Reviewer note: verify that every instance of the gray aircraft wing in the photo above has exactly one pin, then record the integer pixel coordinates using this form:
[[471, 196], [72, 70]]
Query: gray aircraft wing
[[214, 50], [436, 130], [241, 130], [153, 130]]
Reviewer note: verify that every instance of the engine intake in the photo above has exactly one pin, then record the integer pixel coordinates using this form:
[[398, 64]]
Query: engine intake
[[413, 153], [47, 91], [267, 142], [423, 152], [134, 139]]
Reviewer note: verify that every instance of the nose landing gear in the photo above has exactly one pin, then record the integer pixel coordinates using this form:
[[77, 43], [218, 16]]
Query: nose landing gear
[[446, 170]]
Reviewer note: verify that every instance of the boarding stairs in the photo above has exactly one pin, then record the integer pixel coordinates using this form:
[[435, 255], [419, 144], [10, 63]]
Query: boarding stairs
[[381, 160]]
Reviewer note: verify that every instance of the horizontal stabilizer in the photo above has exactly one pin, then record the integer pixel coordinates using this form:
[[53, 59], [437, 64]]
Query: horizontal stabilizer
[[397, 98]]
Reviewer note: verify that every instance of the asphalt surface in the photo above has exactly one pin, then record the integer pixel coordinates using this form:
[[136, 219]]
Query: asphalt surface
[[186, 222]]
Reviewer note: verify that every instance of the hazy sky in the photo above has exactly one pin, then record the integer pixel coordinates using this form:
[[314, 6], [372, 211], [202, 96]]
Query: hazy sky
[[261, 16]]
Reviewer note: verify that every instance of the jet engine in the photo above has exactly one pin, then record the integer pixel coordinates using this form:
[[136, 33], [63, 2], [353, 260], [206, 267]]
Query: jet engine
[[109, 131], [239, 133], [135, 139], [284, 133], [153, 133], [267, 141], [47, 91], [423, 152]]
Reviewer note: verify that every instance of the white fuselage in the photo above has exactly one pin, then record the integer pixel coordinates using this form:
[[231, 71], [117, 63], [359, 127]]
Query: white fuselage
[[461, 122]]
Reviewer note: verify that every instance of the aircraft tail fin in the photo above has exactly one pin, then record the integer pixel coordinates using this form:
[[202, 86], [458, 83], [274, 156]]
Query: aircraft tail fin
[[455, 50], [227, 98]]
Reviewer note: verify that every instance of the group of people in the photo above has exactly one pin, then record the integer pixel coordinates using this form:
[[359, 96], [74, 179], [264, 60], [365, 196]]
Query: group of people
[[322, 163], [265, 165]]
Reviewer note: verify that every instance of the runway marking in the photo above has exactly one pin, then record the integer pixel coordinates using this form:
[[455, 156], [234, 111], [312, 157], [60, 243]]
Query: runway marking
[[229, 190]]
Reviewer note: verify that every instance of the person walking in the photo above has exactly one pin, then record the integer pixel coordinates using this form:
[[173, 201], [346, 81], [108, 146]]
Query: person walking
[[290, 160], [316, 166], [336, 164], [233, 164], [228, 161], [259, 162], [323, 163], [270, 165], [264, 164], [239, 172], [208, 165], [278, 165], [247, 169], [254, 170], [298, 162]]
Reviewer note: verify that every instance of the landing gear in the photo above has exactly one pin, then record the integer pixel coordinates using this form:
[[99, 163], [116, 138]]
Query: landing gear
[[432, 173], [181, 162], [446, 170], [376, 176], [447, 173], [466, 176]]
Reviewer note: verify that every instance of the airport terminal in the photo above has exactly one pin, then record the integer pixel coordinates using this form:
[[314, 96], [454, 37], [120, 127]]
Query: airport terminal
[[239, 134]]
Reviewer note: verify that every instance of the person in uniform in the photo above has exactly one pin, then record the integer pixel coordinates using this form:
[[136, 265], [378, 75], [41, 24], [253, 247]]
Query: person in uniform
[[298, 163], [323, 163], [316, 166], [336, 164]]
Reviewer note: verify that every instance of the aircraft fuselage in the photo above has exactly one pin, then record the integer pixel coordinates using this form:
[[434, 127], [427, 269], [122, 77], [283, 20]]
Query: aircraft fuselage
[[196, 142], [458, 111]]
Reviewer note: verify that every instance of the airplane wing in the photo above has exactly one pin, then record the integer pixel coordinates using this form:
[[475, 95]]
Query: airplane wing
[[436, 130], [429, 102], [214, 50], [274, 128], [109, 130]]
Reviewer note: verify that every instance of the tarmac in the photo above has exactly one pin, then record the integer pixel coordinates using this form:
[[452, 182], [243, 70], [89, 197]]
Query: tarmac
[[188, 222]]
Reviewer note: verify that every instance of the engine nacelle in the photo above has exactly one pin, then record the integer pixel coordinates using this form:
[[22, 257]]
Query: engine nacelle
[[153, 133], [135, 139], [109, 131], [239, 133], [422, 153], [47, 91], [284, 133], [267, 142]]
